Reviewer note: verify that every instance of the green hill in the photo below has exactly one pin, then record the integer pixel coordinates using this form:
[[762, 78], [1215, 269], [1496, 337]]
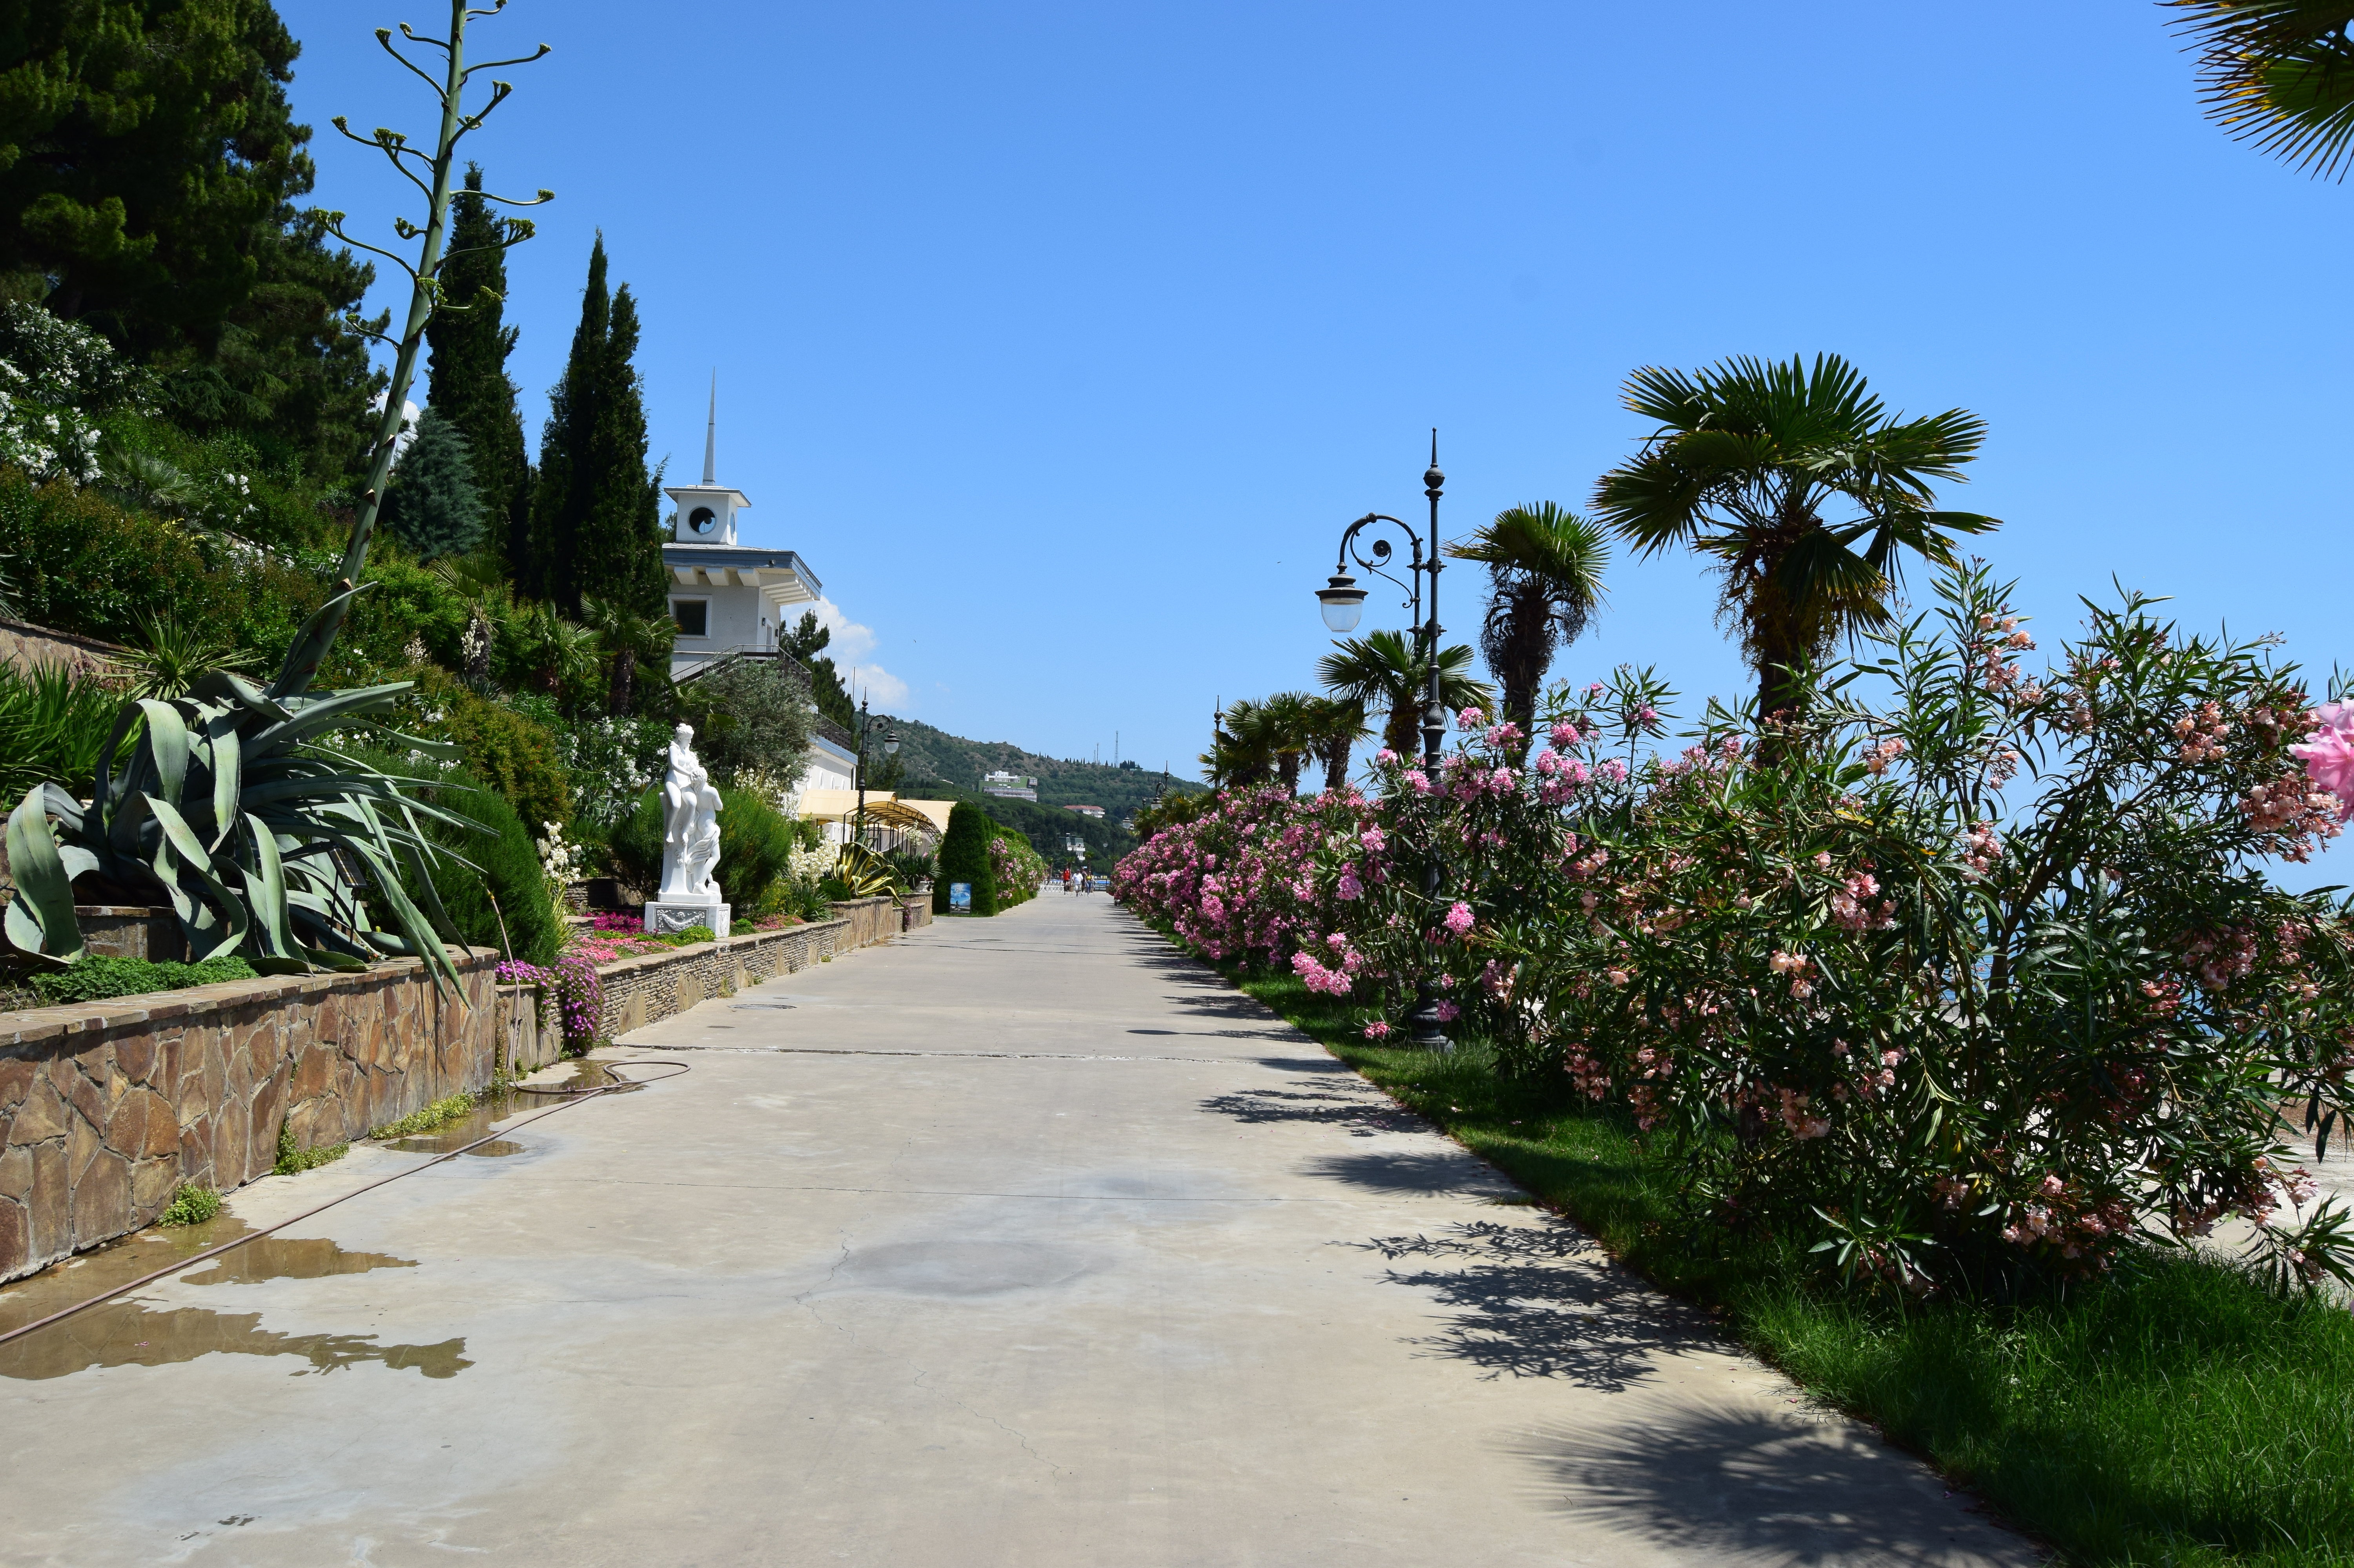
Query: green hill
[[934, 764]]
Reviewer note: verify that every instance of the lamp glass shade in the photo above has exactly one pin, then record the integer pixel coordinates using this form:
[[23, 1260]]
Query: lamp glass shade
[[1344, 602], [891, 744]]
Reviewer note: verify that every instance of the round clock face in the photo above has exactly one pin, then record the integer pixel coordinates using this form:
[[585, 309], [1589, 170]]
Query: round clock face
[[702, 520]]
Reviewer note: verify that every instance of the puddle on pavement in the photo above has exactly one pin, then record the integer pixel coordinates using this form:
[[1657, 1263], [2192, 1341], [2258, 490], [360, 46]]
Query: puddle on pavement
[[503, 1103], [129, 1332]]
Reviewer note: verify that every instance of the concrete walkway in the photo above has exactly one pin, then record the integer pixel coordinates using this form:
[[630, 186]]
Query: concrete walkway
[[1018, 1242]]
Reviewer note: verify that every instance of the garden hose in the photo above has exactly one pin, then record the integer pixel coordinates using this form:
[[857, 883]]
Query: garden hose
[[572, 1097]]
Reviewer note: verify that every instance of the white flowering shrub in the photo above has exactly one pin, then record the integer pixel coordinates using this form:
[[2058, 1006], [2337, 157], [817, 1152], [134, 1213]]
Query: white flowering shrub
[[560, 861], [611, 763], [55, 376]]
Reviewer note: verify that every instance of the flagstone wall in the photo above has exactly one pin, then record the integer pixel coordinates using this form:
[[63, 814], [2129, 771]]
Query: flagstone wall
[[107, 1107]]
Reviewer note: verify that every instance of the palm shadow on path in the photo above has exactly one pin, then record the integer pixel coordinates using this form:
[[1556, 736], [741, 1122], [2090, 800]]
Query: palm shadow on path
[[1756, 1488], [1540, 1300]]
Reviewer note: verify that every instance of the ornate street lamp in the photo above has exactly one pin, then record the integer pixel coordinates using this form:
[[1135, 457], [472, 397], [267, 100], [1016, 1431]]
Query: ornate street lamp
[[1342, 602], [890, 749]]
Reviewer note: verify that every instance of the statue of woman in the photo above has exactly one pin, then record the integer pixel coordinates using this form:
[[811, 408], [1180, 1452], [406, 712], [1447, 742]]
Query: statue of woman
[[690, 823]]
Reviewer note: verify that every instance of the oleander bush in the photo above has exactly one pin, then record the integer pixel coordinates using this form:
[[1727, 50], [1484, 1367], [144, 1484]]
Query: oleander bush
[[1961, 977]]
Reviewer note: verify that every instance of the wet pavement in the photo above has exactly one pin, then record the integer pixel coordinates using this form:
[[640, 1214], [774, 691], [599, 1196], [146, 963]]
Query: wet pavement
[[1020, 1241]]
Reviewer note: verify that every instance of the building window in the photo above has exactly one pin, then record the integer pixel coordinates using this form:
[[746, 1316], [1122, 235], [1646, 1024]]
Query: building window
[[692, 615]]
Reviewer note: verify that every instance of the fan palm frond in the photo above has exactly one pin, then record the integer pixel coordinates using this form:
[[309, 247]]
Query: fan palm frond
[[2279, 73]]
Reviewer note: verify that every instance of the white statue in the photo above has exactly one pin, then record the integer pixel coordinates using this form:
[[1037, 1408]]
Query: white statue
[[688, 895]]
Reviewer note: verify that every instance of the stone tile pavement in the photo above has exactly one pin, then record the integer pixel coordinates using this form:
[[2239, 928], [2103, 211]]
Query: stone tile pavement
[[1020, 1240]]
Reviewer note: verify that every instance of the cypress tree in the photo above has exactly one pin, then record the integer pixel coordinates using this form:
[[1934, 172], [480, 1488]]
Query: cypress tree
[[964, 857], [470, 386], [434, 505], [558, 491], [621, 536], [595, 518]]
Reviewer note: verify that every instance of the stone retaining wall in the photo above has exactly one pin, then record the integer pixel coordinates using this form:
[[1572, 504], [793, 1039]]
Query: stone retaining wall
[[916, 909], [30, 648], [639, 991], [872, 920], [107, 1107]]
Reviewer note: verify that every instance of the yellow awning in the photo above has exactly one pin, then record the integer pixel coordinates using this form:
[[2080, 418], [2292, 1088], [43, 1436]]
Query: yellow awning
[[882, 807]]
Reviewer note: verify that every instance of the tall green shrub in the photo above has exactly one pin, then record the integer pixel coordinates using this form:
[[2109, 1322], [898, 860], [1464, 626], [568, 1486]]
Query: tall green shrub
[[756, 845], [504, 866], [504, 749], [964, 857]]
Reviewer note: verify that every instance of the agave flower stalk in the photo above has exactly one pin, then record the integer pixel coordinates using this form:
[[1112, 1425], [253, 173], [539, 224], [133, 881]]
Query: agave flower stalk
[[227, 803]]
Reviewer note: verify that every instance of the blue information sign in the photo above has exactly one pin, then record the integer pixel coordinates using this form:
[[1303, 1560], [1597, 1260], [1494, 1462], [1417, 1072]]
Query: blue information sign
[[960, 894]]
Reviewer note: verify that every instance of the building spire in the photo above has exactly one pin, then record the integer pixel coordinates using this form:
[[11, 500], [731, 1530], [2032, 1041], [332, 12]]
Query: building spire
[[711, 436]]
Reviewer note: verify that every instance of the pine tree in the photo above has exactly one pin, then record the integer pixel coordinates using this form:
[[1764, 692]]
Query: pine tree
[[806, 642], [596, 521], [433, 504], [470, 385]]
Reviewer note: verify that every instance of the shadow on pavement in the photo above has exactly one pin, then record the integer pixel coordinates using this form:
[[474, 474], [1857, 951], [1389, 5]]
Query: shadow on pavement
[[1753, 1489], [1363, 1115], [1542, 1301]]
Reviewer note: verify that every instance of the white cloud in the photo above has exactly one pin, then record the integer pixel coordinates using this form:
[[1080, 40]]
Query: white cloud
[[851, 641], [887, 691], [849, 646]]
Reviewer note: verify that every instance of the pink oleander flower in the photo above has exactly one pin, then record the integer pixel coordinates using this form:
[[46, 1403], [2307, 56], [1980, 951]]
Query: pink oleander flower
[[1377, 1030], [1416, 780], [1459, 918], [1385, 758], [2328, 753], [1469, 719], [1448, 1012], [1373, 840], [1350, 888], [1564, 735], [1612, 772]]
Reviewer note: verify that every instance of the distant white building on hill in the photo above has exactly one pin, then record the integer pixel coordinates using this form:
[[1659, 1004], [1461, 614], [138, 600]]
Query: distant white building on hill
[[731, 600], [1009, 786], [1095, 811]]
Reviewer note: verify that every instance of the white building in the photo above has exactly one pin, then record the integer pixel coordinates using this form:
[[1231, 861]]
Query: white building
[[1009, 786], [731, 599]]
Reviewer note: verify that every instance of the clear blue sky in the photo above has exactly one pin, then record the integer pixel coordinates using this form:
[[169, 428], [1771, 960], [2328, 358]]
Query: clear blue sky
[[1063, 339]]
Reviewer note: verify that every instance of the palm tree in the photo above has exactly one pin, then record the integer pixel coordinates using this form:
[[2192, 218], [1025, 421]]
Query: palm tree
[[626, 638], [1290, 735], [1385, 669], [2280, 73], [480, 581], [1545, 578], [1747, 461], [1242, 753], [1333, 725]]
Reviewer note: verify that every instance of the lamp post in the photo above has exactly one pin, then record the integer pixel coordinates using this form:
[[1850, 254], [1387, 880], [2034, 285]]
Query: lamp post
[[1344, 602], [890, 749]]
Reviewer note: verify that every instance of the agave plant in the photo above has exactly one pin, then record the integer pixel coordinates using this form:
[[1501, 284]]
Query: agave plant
[[227, 803], [224, 804]]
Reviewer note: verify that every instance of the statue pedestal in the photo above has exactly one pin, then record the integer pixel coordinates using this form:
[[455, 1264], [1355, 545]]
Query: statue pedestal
[[669, 915]]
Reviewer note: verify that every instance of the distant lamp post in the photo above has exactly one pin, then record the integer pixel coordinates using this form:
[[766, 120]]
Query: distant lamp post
[[1342, 603], [890, 749]]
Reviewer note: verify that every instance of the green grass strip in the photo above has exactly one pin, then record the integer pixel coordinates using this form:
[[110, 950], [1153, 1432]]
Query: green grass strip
[[2175, 1411], [447, 1109]]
